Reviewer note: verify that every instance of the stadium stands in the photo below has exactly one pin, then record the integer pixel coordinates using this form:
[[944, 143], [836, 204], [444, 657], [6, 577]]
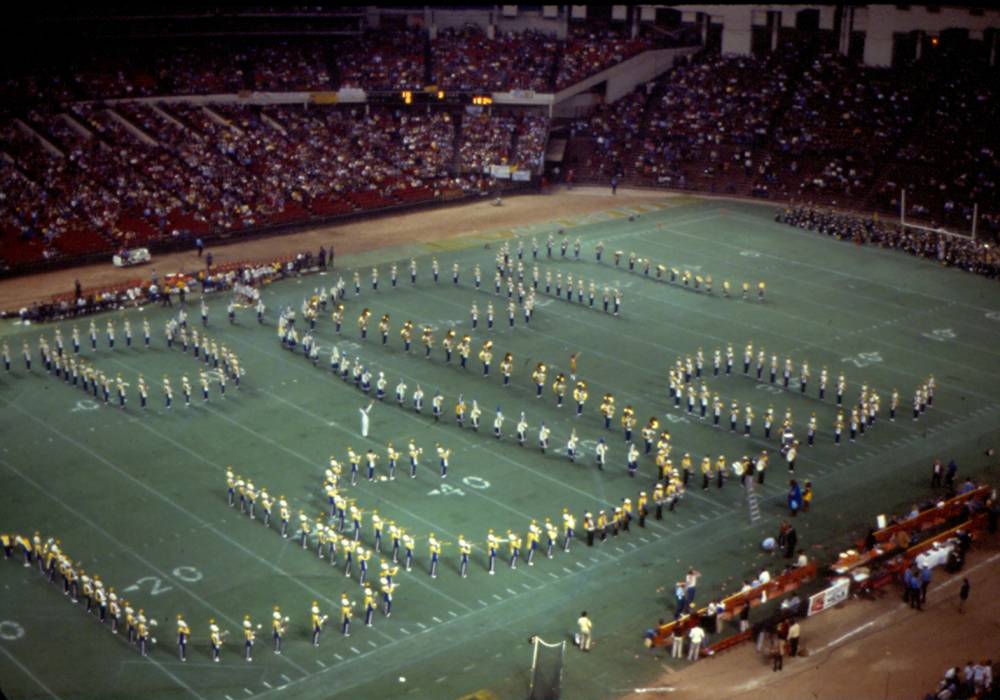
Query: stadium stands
[[802, 124], [810, 127]]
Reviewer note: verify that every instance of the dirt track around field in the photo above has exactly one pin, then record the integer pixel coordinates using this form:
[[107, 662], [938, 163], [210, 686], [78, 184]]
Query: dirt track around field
[[378, 232]]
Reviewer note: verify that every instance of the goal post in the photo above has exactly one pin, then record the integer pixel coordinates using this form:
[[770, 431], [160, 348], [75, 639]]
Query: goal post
[[546, 670], [916, 227]]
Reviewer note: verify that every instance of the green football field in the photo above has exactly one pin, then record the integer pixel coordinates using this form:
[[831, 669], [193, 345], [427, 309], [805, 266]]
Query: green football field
[[139, 497]]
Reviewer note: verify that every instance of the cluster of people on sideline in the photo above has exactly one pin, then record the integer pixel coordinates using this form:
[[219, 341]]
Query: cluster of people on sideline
[[976, 256], [973, 680]]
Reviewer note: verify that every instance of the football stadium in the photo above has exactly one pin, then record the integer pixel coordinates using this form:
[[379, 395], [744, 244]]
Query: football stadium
[[496, 352]]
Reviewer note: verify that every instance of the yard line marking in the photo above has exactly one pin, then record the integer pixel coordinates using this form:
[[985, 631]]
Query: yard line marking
[[339, 657], [593, 559], [421, 625], [248, 691], [355, 650], [482, 602], [453, 613], [468, 668], [287, 679], [633, 545], [229, 697], [525, 586], [568, 571], [497, 597], [31, 675], [500, 455], [217, 466], [617, 549], [440, 679], [644, 540], [580, 564], [437, 619], [692, 522], [123, 547], [322, 665], [703, 516], [553, 575], [372, 644], [512, 591], [265, 684]]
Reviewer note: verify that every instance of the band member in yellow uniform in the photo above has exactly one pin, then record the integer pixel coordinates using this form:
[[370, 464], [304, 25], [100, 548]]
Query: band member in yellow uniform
[[434, 547], [278, 627], [569, 528], [533, 536], [628, 422], [506, 368], [514, 543], [346, 605], [427, 338], [608, 410], [464, 548], [249, 637], [580, 396], [486, 357], [538, 376], [559, 389], [183, 637], [316, 620], [383, 326]]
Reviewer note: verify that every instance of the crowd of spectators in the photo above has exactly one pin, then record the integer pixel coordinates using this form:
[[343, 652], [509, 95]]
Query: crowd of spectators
[[459, 58], [467, 59], [952, 251], [587, 52], [502, 138], [813, 126], [92, 178], [384, 61], [699, 120]]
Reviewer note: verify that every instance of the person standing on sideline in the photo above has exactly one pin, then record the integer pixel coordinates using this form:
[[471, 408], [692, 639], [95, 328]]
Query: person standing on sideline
[[794, 632], [586, 628], [365, 418], [777, 652], [696, 636], [925, 582], [677, 642], [963, 595]]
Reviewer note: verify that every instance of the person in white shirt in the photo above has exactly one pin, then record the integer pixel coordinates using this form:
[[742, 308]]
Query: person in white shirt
[[696, 636], [365, 418]]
